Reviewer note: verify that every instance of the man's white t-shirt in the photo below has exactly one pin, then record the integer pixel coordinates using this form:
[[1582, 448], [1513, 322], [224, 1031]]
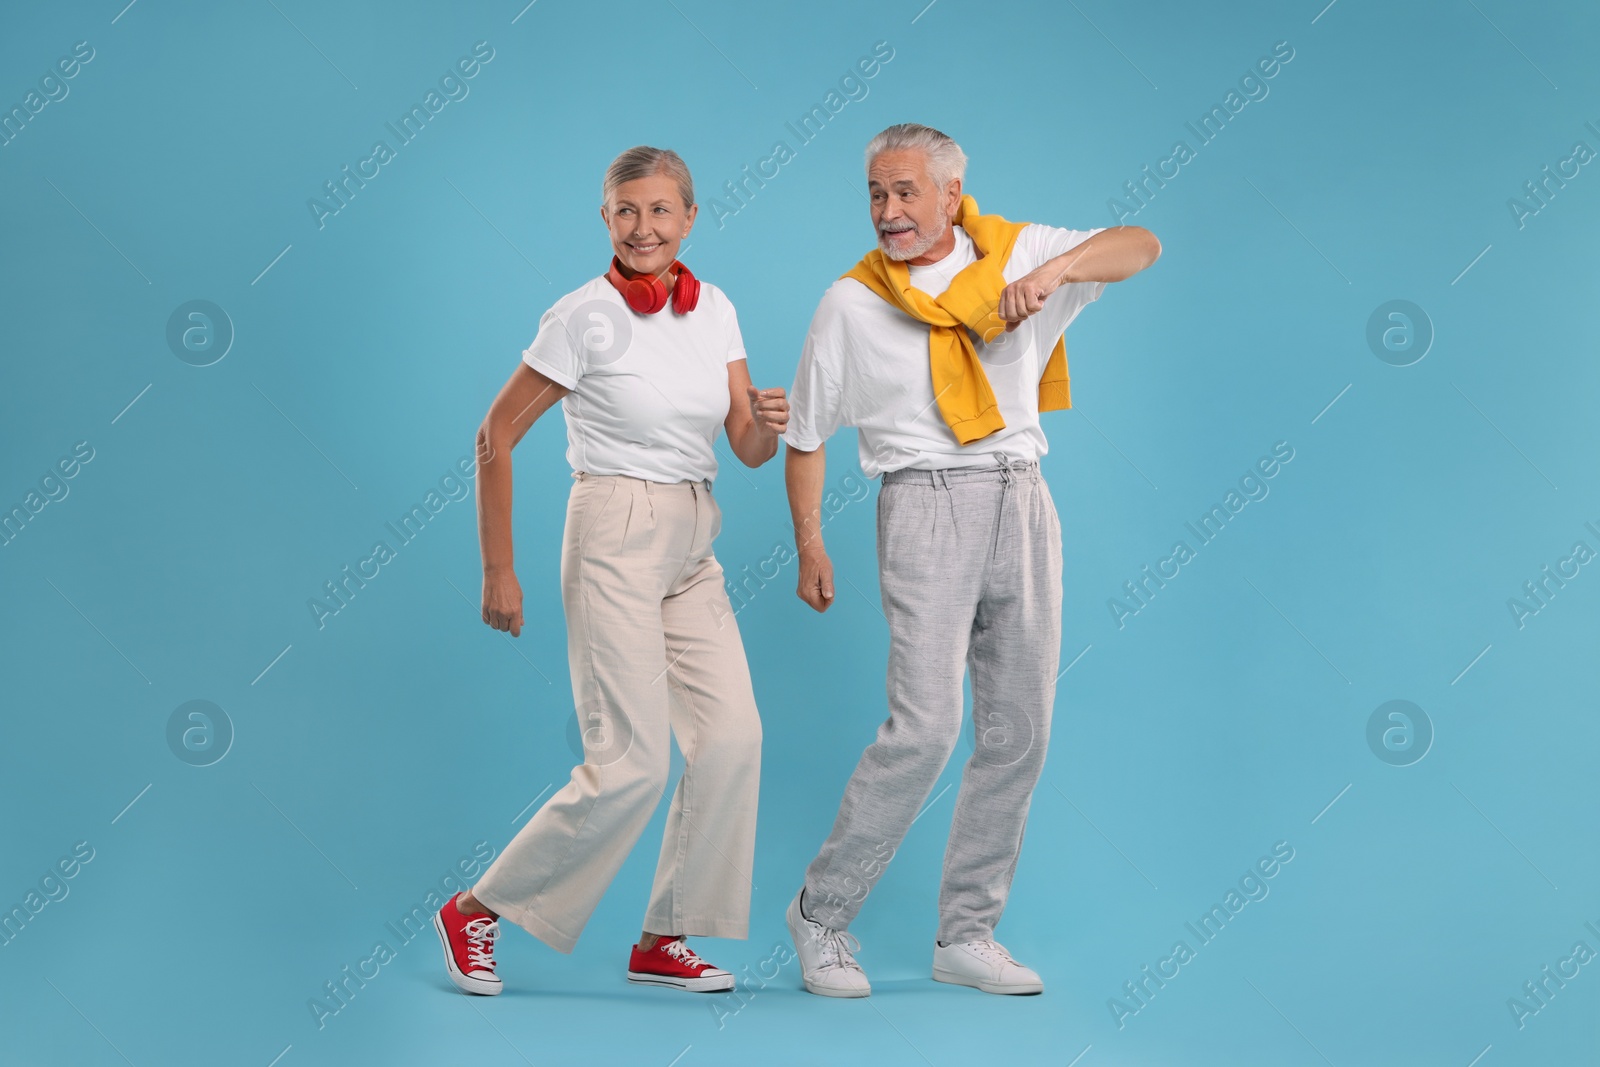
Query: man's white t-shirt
[[865, 364], [648, 392]]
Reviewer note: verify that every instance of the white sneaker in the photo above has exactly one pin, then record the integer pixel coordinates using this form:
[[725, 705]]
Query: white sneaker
[[984, 965], [826, 966]]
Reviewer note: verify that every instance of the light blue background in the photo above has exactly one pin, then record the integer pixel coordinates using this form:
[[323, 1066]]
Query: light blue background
[[1223, 718]]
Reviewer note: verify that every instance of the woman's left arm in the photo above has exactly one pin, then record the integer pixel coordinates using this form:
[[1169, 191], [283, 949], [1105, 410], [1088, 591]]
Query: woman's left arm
[[756, 417]]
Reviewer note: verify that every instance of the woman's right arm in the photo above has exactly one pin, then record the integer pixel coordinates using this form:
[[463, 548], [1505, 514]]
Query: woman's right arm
[[527, 395]]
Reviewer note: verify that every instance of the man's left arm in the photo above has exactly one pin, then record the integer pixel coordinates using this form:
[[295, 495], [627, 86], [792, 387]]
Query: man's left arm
[[1109, 256]]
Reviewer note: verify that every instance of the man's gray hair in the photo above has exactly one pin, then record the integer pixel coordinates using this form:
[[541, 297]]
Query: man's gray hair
[[642, 161], [946, 161]]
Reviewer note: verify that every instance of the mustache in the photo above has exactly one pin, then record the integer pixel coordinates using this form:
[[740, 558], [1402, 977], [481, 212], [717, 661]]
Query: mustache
[[903, 227]]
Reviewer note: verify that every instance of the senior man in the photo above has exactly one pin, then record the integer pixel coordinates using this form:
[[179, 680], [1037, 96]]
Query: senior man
[[941, 347]]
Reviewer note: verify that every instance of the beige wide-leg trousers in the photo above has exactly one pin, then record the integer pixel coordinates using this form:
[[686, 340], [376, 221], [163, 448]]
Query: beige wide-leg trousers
[[653, 647]]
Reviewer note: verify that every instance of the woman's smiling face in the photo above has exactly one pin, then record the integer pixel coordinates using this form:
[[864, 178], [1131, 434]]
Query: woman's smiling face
[[648, 222]]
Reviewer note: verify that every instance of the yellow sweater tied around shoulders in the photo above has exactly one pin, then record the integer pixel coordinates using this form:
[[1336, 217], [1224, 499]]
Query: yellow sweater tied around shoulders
[[960, 386]]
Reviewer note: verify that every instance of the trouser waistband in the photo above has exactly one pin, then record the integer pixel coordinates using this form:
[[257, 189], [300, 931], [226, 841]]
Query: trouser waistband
[[946, 475], [650, 486]]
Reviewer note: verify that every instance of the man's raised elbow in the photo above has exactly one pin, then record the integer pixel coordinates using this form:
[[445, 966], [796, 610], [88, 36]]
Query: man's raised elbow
[[1151, 246]]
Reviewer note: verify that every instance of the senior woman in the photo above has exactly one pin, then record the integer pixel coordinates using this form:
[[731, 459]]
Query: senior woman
[[648, 362]]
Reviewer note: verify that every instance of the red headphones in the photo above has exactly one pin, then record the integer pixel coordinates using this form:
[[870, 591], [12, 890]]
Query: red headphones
[[647, 293]]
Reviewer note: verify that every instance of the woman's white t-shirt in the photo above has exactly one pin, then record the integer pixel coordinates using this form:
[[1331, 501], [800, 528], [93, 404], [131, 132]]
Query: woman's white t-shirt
[[648, 392]]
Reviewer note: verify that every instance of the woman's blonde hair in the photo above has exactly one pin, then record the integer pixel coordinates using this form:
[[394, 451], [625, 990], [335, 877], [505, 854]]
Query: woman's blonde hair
[[642, 161]]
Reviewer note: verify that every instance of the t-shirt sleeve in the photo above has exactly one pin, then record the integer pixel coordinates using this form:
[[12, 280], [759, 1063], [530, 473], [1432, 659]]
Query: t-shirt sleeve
[[814, 401], [735, 338], [1039, 244], [553, 353]]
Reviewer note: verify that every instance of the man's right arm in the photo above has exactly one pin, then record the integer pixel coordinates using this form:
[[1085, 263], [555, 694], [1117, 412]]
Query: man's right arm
[[803, 474], [814, 414]]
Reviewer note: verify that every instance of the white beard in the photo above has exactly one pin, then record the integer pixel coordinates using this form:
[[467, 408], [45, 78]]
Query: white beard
[[918, 248]]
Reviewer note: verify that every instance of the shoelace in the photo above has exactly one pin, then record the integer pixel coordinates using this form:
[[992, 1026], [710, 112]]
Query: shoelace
[[835, 947], [993, 952], [481, 934], [679, 950]]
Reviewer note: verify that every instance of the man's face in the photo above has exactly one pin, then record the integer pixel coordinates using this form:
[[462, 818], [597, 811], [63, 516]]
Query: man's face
[[910, 214]]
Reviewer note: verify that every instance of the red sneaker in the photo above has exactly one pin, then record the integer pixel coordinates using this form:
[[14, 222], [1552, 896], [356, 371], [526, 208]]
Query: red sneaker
[[673, 963], [468, 949]]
